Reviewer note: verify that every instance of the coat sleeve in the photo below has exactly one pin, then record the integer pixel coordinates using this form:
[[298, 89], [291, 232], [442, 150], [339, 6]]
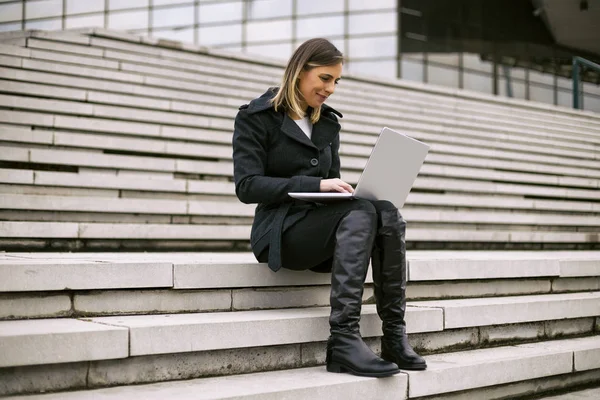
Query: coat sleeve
[[250, 151]]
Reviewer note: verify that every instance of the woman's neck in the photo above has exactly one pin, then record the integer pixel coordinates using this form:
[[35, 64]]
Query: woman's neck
[[295, 116]]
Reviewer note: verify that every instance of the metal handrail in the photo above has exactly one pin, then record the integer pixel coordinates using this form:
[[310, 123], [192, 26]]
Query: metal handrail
[[577, 63]]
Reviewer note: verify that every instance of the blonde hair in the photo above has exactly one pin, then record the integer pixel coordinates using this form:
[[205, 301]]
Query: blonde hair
[[311, 54]]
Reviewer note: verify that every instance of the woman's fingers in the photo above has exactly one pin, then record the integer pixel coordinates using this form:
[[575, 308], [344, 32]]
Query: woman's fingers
[[336, 185], [343, 187]]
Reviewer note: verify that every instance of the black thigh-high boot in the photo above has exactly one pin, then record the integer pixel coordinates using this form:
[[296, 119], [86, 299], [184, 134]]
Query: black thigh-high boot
[[389, 277], [346, 351]]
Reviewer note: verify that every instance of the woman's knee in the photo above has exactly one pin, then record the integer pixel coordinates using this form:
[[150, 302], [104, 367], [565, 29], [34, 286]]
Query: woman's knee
[[383, 205], [363, 205]]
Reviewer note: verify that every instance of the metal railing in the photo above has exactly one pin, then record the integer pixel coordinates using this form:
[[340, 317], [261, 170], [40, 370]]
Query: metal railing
[[579, 62]]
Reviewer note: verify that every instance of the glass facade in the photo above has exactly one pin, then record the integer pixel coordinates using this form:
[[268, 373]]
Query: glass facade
[[419, 40]]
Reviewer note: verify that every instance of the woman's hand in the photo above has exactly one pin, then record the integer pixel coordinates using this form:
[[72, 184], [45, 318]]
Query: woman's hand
[[335, 185]]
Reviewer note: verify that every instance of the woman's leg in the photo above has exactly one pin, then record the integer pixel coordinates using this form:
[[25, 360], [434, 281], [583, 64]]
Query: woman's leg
[[389, 277], [344, 231]]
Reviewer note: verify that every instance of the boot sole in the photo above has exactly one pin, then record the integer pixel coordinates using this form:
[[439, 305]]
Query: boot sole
[[339, 368], [413, 367], [409, 367]]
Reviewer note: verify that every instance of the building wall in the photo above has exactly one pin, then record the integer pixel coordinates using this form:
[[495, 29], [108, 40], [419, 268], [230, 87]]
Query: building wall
[[380, 38]]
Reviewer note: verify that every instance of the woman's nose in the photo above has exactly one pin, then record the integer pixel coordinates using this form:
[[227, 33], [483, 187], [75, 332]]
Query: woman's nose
[[330, 87]]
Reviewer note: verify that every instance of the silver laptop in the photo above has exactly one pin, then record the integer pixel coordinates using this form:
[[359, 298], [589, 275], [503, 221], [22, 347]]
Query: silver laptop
[[389, 174]]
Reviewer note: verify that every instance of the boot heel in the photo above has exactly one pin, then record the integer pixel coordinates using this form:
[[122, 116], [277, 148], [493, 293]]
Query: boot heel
[[335, 367]]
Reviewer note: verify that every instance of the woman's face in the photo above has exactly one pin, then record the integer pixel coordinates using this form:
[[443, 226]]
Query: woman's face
[[317, 84]]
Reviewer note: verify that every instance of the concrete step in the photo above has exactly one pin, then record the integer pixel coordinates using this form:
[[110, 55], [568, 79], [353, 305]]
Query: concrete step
[[445, 117], [97, 159], [92, 95], [586, 394], [179, 333], [487, 373], [303, 383], [122, 179], [444, 154], [56, 271], [264, 71], [412, 213], [187, 231], [36, 342], [241, 63]]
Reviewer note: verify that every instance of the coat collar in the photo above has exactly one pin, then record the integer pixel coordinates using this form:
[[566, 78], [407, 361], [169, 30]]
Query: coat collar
[[324, 131], [264, 103]]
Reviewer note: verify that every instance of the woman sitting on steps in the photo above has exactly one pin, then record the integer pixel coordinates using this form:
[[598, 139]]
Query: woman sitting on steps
[[287, 140]]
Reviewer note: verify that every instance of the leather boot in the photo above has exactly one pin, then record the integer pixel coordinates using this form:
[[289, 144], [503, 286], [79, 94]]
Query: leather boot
[[389, 277], [346, 351]]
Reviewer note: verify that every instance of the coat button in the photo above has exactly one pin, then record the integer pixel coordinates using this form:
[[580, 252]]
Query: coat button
[[314, 162]]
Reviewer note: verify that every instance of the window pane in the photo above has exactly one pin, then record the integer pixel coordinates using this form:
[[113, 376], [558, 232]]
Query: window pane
[[87, 21], [269, 8], [122, 4], [519, 73], [376, 69], [271, 30], [535, 76], [220, 12], [47, 25], [591, 103], [543, 94], [213, 35], [564, 83], [179, 16], [474, 62], [372, 23], [280, 51], [371, 4], [444, 58], [412, 70], [373, 47], [591, 88], [43, 9], [128, 20], [319, 6], [478, 82], [171, 2], [442, 76], [10, 27], [11, 12], [78, 6], [518, 88], [323, 26], [565, 98], [181, 35]]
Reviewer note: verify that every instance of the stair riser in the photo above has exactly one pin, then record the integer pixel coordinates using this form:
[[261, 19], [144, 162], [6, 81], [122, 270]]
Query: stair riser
[[129, 302], [166, 367]]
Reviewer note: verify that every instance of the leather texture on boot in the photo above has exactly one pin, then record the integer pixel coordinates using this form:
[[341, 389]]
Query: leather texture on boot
[[395, 348], [389, 278], [346, 351]]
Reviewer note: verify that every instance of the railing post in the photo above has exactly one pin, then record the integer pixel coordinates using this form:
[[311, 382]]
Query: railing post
[[575, 76]]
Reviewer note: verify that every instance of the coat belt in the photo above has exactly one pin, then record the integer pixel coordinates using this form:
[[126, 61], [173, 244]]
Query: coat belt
[[276, 234]]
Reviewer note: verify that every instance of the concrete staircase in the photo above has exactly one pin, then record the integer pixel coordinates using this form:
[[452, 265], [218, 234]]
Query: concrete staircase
[[111, 143], [114, 142]]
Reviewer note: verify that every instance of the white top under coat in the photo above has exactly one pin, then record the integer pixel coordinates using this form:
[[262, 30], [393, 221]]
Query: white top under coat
[[305, 125]]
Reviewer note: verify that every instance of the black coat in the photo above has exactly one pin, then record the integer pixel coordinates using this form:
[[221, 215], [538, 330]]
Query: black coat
[[273, 156]]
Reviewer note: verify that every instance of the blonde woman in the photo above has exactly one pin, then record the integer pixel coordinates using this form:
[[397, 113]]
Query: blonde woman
[[287, 140]]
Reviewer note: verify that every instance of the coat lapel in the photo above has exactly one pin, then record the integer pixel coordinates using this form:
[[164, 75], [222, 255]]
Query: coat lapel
[[291, 129], [324, 132]]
